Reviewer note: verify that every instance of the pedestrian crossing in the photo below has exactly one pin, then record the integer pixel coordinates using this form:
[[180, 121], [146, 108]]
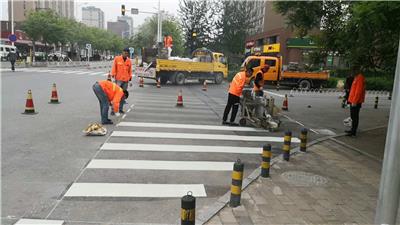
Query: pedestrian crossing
[[158, 153], [59, 71], [158, 190]]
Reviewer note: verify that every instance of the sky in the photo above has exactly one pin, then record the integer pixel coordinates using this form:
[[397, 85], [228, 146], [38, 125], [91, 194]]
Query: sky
[[112, 8]]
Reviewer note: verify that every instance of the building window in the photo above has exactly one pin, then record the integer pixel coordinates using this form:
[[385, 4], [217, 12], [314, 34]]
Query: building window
[[272, 40]]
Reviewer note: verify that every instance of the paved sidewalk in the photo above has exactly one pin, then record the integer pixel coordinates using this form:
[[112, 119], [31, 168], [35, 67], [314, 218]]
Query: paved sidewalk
[[329, 184]]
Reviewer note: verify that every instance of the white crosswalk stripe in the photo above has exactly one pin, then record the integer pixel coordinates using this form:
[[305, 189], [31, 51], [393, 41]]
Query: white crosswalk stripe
[[199, 136], [188, 126], [160, 165], [39, 222], [179, 148], [134, 190]]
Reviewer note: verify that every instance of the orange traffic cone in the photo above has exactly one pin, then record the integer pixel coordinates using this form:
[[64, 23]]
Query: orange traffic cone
[[158, 83], [141, 82], [29, 108], [204, 86], [54, 95], [179, 102], [285, 104]]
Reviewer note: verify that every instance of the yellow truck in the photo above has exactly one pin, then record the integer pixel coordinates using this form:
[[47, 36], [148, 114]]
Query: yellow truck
[[276, 73], [204, 65]]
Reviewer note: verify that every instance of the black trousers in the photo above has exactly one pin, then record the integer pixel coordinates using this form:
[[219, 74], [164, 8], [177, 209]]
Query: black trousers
[[354, 114], [233, 102], [12, 65]]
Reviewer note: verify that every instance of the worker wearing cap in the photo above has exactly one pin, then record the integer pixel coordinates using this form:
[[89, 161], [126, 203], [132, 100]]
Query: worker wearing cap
[[122, 72], [108, 92], [235, 91], [259, 81]]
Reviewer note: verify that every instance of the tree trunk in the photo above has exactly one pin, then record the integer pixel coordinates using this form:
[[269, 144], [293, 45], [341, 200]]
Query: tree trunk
[[33, 50]]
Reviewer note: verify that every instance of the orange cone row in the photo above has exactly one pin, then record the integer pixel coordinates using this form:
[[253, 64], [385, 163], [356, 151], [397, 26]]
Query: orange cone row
[[29, 106]]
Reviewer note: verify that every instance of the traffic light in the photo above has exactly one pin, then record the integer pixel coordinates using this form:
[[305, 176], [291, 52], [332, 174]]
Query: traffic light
[[123, 10]]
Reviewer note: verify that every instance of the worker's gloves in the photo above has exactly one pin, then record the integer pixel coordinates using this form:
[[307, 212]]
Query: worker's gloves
[[117, 114]]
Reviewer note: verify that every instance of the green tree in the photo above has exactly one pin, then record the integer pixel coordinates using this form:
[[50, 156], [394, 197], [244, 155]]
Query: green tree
[[364, 33]]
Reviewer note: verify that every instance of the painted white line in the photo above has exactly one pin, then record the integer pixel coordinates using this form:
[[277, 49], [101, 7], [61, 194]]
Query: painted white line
[[95, 74], [79, 73], [38, 221], [180, 148], [123, 116], [272, 93], [129, 110], [177, 114], [295, 121], [160, 165], [135, 190], [69, 72], [132, 106], [185, 102], [199, 136], [188, 126], [56, 71]]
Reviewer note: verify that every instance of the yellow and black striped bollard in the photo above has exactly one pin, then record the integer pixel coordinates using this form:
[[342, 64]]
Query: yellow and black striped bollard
[[286, 145], [303, 140], [188, 209], [236, 187], [266, 160], [376, 102]]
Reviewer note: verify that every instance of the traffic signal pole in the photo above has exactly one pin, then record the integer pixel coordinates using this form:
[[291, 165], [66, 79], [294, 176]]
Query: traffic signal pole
[[389, 190]]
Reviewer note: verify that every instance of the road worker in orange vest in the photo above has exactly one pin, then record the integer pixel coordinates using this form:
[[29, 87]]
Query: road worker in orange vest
[[235, 91], [259, 81], [168, 43], [108, 92], [122, 72]]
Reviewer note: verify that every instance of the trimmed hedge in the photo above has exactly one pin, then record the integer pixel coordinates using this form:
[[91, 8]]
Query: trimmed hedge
[[372, 83]]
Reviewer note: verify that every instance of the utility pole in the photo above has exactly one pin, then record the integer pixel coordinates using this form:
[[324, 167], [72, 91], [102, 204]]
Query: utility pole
[[389, 190]]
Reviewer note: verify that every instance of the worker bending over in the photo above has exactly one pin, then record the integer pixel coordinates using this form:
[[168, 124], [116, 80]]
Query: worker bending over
[[235, 91], [108, 92]]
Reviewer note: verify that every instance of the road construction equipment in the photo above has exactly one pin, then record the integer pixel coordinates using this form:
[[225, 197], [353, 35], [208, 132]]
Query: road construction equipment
[[258, 111]]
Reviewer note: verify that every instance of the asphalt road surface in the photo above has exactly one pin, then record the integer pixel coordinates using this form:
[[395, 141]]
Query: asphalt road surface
[[151, 157]]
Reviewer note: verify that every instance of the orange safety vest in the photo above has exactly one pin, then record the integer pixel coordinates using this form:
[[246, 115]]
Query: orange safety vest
[[357, 91], [260, 82], [122, 70], [168, 41], [113, 91], [237, 84]]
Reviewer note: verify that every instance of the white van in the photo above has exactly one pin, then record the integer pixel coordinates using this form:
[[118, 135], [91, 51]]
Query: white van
[[5, 49]]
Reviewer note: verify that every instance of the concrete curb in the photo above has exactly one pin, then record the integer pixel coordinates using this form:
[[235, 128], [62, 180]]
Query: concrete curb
[[212, 210]]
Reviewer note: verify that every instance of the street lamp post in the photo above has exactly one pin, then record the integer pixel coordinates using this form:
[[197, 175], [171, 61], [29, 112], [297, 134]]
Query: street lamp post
[[12, 20]]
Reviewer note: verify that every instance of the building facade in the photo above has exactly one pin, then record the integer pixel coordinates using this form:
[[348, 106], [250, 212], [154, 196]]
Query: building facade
[[93, 17], [275, 30], [129, 20], [120, 28], [64, 8]]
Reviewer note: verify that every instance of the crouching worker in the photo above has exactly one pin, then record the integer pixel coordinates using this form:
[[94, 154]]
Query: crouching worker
[[108, 92], [235, 91]]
